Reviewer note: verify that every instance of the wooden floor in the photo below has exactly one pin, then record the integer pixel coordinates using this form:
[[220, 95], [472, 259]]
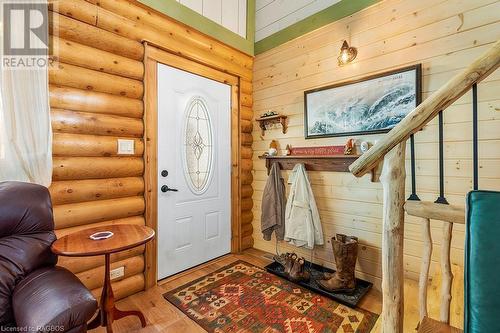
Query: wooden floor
[[164, 317]]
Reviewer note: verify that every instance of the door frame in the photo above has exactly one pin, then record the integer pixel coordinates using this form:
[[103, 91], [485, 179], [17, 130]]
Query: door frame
[[152, 57]]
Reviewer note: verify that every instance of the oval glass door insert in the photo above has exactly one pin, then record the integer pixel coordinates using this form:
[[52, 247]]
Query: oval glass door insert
[[198, 145]]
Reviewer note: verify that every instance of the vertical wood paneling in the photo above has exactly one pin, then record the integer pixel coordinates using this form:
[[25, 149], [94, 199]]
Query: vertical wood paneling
[[231, 14], [445, 36], [212, 9], [242, 18]]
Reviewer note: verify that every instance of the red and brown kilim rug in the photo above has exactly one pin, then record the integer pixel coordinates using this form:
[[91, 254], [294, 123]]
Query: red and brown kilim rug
[[246, 299]]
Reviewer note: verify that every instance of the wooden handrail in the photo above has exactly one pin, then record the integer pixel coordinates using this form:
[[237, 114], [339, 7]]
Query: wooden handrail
[[435, 211], [428, 109]]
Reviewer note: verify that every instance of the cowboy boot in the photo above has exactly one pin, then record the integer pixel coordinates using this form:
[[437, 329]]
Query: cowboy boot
[[345, 250], [298, 273]]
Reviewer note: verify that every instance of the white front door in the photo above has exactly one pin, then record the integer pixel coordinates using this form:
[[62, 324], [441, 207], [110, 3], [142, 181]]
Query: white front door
[[194, 166]]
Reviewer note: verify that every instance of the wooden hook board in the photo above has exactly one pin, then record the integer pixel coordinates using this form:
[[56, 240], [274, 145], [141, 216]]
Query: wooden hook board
[[312, 163]]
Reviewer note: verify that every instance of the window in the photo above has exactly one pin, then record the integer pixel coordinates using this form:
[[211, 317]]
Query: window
[[198, 145]]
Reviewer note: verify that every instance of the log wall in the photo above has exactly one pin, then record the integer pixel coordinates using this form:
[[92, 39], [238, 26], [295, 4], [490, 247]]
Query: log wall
[[445, 36], [96, 97]]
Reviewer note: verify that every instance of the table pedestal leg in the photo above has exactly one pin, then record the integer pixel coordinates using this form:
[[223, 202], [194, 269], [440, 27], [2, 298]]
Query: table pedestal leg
[[107, 310]]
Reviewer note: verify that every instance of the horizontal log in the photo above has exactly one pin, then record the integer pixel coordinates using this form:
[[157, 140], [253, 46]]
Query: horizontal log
[[64, 144], [81, 264], [159, 37], [246, 100], [246, 178], [246, 139], [246, 204], [429, 109], [246, 126], [77, 168], [89, 35], [124, 288], [135, 220], [246, 230], [87, 101], [81, 213], [80, 10], [87, 79], [246, 242], [70, 52], [435, 211], [246, 165], [94, 278], [67, 121], [246, 191], [138, 13], [246, 113], [73, 191], [246, 87], [246, 217], [246, 152]]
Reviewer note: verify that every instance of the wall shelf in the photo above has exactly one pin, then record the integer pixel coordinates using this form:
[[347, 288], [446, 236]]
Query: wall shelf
[[338, 163], [277, 119]]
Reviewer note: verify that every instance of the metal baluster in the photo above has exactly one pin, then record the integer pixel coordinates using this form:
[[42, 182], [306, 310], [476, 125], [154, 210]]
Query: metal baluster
[[413, 195], [475, 158], [441, 199]]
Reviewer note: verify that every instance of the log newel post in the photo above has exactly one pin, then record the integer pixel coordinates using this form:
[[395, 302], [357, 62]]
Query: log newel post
[[393, 181], [424, 268], [446, 272]]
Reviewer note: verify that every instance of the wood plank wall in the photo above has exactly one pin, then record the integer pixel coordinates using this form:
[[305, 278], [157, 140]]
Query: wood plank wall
[[96, 91], [445, 36]]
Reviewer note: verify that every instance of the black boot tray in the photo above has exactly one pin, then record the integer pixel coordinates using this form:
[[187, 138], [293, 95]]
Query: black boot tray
[[316, 272]]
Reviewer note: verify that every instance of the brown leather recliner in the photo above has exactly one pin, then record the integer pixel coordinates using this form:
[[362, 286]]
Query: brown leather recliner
[[36, 295]]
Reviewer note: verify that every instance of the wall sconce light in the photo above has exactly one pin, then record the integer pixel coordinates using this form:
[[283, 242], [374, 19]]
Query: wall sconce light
[[347, 54]]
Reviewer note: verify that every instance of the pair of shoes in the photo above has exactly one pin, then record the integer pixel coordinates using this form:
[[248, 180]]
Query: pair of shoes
[[345, 250], [289, 260], [298, 273], [294, 268], [280, 259]]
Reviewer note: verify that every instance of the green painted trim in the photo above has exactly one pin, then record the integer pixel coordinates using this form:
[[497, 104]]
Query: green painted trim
[[328, 15], [193, 19]]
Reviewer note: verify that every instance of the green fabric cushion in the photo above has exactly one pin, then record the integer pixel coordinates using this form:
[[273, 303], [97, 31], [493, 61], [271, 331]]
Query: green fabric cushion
[[482, 263]]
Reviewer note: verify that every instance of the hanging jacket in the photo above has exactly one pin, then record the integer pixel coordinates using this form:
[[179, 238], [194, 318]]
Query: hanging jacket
[[273, 205], [302, 222]]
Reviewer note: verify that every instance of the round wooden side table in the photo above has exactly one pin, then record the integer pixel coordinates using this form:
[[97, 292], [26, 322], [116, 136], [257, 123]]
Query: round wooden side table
[[79, 244]]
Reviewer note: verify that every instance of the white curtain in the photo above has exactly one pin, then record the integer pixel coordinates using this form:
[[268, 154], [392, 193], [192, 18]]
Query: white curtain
[[25, 129]]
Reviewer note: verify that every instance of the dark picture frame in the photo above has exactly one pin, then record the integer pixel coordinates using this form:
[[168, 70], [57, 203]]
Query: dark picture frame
[[405, 92]]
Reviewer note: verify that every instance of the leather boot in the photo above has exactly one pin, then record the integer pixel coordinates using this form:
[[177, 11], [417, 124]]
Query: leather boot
[[298, 273], [345, 250], [281, 259], [289, 261]]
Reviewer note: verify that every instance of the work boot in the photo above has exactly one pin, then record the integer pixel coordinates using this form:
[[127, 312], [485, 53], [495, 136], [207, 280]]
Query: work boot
[[298, 272], [345, 250], [289, 261]]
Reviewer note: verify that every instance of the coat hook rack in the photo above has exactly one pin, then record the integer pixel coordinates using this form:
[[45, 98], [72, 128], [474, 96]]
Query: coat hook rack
[[338, 163]]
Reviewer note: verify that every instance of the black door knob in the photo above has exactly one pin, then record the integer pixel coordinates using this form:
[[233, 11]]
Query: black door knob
[[165, 188]]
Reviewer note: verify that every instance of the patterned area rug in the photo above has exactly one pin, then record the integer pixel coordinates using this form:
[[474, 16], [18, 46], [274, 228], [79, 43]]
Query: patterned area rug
[[246, 299]]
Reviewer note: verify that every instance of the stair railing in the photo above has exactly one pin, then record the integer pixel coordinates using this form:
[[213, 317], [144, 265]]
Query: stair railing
[[390, 151]]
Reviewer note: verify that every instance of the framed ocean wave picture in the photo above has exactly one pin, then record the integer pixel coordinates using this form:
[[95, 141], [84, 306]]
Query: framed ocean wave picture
[[370, 105]]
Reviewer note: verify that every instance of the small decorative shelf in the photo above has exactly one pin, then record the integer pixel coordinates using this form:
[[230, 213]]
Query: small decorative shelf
[[277, 119], [338, 163]]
